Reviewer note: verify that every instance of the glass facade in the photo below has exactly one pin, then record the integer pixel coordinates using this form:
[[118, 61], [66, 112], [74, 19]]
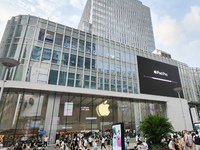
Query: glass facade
[[125, 22], [24, 113]]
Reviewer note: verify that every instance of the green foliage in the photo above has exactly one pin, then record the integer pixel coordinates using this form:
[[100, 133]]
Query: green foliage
[[154, 128]]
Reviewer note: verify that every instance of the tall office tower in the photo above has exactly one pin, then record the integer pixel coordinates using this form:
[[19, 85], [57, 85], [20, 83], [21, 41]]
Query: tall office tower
[[124, 21]]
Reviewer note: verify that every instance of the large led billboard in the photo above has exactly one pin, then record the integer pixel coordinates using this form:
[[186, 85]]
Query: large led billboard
[[158, 78]]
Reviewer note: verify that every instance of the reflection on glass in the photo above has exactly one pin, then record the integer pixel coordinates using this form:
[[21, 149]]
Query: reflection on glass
[[94, 49], [86, 81], [93, 82], [62, 78], [118, 70], [36, 53], [79, 80], [81, 45], [74, 43], [53, 77], [80, 62], [59, 38], [56, 57], [106, 67], [119, 89], [113, 85], [70, 79], [29, 32], [106, 52], [88, 47], [46, 56], [100, 83], [100, 66], [124, 86], [100, 51], [49, 36], [72, 60], [67, 41], [87, 63], [94, 65], [65, 57], [106, 84], [41, 34]]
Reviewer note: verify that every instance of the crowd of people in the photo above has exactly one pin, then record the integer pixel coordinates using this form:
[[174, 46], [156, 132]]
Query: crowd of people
[[185, 141]]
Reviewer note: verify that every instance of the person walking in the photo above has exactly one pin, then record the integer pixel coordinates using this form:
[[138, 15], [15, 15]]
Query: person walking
[[196, 140], [103, 142]]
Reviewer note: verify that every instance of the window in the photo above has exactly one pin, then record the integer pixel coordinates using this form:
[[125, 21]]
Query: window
[[56, 57], [93, 82], [112, 68], [118, 55], [80, 62], [62, 78], [74, 43], [113, 85], [72, 60], [70, 79], [87, 63], [88, 47], [49, 36], [106, 52], [59, 38], [79, 80], [119, 89], [100, 66], [112, 53], [94, 64], [118, 70], [123, 70], [100, 83], [94, 49], [36, 53], [41, 34], [106, 84], [67, 41], [106, 67], [65, 57], [86, 81], [46, 56], [124, 86], [53, 77], [81, 45], [100, 52], [123, 56]]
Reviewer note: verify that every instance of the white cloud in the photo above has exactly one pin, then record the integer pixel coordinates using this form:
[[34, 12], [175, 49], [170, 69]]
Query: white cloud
[[78, 3], [173, 37], [191, 21]]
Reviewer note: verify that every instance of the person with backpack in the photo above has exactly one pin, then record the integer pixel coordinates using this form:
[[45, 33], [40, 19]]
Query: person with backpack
[[189, 141], [196, 140]]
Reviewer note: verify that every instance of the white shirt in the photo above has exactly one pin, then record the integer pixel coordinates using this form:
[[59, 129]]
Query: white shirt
[[95, 144], [1, 145], [46, 139], [62, 144], [170, 145], [90, 139], [145, 145], [103, 140]]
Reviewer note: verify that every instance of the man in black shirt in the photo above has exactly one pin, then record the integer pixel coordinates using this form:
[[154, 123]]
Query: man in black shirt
[[39, 143]]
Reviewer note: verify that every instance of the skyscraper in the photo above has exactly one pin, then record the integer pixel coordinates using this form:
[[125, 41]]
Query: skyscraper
[[127, 22]]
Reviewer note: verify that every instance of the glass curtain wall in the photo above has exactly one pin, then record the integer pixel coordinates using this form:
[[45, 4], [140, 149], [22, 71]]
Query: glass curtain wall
[[25, 115]]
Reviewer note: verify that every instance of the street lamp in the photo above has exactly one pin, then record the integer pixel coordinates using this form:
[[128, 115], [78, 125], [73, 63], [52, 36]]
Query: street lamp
[[178, 90], [8, 63]]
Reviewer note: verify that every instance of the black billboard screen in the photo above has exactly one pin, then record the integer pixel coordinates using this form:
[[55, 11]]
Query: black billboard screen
[[158, 78]]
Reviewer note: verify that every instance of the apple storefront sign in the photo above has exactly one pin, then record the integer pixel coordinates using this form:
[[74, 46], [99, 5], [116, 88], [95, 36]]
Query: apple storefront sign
[[103, 109], [118, 136]]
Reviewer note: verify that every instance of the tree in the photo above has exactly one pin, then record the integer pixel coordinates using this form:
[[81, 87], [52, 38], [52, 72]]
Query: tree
[[154, 128]]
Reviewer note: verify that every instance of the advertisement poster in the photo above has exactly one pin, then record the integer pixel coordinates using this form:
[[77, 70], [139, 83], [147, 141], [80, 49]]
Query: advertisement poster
[[68, 109], [118, 136]]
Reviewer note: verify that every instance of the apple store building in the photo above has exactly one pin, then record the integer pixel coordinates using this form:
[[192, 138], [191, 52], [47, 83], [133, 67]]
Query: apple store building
[[72, 81]]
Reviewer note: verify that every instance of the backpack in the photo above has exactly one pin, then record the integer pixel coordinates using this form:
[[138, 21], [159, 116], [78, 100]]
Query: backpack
[[197, 140]]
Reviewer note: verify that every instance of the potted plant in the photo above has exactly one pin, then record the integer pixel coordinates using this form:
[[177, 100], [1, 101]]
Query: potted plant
[[155, 128]]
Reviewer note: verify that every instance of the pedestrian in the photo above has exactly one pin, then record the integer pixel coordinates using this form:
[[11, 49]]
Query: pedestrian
[[103, 142], [95, 145], [46, 140], [108, 141], [10, 147], [196, 140]]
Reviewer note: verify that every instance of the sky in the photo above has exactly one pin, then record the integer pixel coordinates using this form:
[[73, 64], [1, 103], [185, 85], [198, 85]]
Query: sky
[[176, 23]]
